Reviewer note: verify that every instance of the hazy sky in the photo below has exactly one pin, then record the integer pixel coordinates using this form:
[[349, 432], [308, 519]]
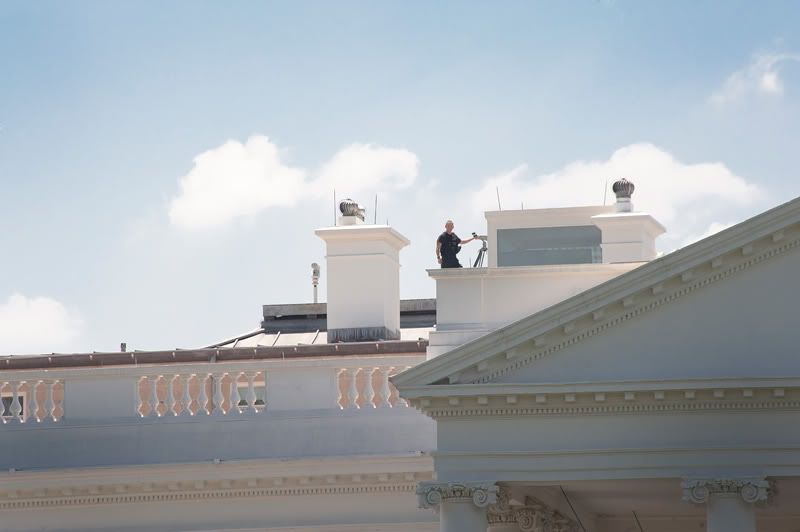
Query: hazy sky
[[164, 164]]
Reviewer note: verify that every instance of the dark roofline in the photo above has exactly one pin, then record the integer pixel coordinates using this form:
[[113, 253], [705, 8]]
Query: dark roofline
[[395, 347]]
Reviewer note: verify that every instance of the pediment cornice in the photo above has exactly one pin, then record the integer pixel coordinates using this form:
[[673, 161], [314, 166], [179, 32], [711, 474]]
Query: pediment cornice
[[582, 399]]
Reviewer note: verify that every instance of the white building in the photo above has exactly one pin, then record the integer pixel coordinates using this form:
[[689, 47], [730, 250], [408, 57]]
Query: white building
[[573, 384]]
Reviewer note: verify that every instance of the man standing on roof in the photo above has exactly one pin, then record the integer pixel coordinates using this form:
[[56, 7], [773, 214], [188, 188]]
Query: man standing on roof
[[448, 245]]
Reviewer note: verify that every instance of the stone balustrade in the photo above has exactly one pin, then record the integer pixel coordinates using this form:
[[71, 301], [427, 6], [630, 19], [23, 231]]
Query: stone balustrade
[[31, 400], [342, 383], [368, 386]]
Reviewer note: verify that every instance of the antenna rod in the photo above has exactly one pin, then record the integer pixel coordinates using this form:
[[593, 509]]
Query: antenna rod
[[578, 519], [637, 521], [375, 213], [334, 206], [605, 193], [497, 189]]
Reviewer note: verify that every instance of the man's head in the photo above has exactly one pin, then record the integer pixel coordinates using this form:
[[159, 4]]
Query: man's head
[[448, 226]]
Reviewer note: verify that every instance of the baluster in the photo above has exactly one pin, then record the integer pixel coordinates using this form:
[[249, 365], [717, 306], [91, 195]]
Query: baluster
[[33, 408], [203, 398], [50, 405], [385, 391], [219, 398], [251, 391], [340, 400], [400, 400], [154, 401], [172, 403], [235, 397], [4, 413], [16, 406], [139, 395], [369, 388], [352, 396], [186, 403]]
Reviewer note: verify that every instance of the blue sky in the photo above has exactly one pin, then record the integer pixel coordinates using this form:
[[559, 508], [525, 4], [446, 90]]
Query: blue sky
[[115, 228]]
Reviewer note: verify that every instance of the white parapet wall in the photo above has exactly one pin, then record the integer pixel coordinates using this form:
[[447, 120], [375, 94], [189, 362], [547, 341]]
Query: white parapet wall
[[471, 302]]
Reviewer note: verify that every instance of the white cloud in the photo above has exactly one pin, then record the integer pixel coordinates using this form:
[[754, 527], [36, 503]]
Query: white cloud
[[686, 198], [36, 324], [241, 180], [367, 167], [235, 180], [760, 76]]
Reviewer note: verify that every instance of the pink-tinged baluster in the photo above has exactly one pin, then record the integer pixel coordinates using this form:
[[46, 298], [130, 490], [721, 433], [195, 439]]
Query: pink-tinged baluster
[[154, 400], [340, 400], [33, 408], [235, 397], [385, 391], [352, 395], [219, 398], [203, 396], [400, 400], [16, 406], [186, 402], [172, 403]]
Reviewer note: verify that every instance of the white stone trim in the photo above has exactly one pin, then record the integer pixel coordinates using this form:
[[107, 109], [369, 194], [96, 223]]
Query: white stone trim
[[611, 399]]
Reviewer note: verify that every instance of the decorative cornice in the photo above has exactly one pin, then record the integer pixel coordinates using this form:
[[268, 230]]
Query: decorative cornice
[[751, 490], [150, 492], [431, 494], [632, 401]]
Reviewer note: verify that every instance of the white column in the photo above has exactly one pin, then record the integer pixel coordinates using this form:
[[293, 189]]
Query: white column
[[730, 503], [728, 512], [462, 505]]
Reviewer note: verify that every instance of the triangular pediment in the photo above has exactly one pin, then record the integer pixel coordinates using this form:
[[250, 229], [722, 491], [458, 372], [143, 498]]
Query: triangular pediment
[[724, 307]]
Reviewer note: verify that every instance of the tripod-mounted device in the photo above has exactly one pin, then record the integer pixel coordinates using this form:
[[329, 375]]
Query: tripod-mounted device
[[482, 252]]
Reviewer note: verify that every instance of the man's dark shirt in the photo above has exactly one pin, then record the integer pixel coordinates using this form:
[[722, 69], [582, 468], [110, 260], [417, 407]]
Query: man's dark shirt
[[449, 247]]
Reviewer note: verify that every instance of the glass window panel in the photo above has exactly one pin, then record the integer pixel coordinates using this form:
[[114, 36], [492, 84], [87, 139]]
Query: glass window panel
[[548, 245]]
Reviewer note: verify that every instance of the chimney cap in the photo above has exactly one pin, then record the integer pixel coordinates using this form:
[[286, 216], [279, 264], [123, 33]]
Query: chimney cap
[[623, 188]]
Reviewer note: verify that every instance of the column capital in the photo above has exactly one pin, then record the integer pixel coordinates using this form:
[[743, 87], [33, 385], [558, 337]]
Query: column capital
[[751, 490], [431, 494], [501, 511]]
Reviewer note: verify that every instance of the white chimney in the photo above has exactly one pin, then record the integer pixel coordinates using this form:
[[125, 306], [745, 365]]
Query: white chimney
[[627, 236], [363, 278]]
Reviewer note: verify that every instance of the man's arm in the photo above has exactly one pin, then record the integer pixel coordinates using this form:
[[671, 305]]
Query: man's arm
[[467, 241], [438, 251]]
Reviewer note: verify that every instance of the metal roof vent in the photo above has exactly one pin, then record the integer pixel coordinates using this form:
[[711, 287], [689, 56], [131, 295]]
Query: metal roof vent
[[623, 189], [351, 208]]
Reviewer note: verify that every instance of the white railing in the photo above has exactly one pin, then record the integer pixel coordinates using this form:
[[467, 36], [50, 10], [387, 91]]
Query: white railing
[[31, 400], [368, 386], [220, 392], [347, 383]]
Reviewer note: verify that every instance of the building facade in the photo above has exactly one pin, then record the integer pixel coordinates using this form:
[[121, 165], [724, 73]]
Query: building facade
[[577, 383]]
